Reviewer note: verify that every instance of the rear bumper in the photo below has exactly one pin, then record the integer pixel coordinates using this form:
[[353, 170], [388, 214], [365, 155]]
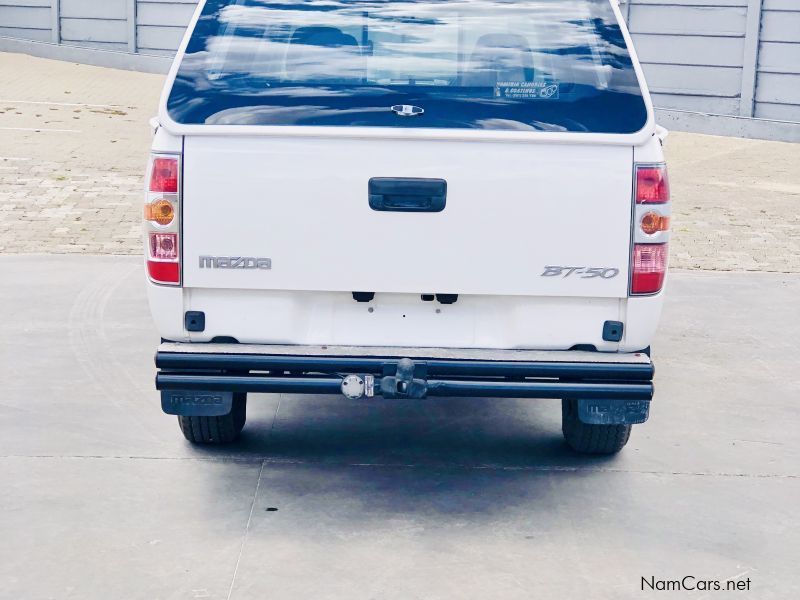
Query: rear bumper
[[404, 372]]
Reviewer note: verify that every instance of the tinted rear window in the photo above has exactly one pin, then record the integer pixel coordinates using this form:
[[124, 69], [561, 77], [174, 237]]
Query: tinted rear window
[[537, 65]]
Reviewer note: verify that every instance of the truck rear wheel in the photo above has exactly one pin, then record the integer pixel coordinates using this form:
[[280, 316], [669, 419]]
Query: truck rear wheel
[[591, 439], [216, 430]]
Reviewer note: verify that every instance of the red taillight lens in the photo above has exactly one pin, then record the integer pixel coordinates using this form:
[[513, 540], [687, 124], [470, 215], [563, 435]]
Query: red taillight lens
[[164, 272], [649, 268], [164, 176], [652, 185], [164, 246]]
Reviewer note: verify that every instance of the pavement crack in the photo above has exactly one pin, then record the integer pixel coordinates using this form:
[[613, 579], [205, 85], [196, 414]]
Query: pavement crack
[[290, 462], [246, 530]]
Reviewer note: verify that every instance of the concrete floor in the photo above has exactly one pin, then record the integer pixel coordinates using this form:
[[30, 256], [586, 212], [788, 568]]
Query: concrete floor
[[461, 498]]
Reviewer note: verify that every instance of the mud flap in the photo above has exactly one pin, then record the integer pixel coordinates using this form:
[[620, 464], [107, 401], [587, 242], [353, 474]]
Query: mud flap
[[613, 412], [196, 404]]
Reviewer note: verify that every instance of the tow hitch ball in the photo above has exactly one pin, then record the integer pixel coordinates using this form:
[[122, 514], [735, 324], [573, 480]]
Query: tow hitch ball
[[406, 379]]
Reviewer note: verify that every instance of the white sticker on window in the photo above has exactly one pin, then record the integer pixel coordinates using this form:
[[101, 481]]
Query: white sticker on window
[[526, 90]]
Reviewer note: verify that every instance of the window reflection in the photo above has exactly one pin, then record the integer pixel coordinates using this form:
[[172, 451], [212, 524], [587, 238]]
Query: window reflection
[[489, 64]]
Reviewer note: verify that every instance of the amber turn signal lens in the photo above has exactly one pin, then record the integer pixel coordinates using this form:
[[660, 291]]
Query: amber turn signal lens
[[653, 223], [160, 211]]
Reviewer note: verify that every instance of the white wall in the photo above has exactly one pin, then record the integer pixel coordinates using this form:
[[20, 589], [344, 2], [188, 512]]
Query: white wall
[[26, 19], [692, 55], [161, 23], [730, 57], [778, 86]]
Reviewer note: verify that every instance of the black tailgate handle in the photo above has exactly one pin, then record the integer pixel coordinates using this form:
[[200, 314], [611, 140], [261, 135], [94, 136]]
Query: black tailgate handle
[[407, 194]]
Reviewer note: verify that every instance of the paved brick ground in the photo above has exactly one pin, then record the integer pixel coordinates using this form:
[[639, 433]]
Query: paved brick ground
[[73, 146], [737, 203], [74, 141]]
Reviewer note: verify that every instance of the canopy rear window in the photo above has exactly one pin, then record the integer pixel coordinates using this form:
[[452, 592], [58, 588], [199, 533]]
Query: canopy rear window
[[524, 65]]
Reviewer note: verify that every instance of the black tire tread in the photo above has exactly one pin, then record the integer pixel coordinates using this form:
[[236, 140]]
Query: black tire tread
[[591, 439], [216, 430]]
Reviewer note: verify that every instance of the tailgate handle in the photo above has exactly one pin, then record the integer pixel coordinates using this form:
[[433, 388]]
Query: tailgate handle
[[407, 194]]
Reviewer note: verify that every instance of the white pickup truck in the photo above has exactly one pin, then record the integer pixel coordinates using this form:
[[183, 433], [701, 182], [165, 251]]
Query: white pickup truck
[[407, 199]]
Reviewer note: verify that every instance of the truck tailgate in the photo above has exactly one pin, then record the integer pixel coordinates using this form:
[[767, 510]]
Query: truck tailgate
[[513, 209]]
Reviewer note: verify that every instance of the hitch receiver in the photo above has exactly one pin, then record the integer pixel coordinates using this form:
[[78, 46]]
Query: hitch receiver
[[407, 382]]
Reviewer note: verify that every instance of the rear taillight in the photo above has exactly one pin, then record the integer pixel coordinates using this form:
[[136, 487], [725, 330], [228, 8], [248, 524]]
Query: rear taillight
[[161, 211], [163, 272], [652, 223], [651, 227], [162, 220], [164, 246], [652, 184], [649, 268], [164, 175]]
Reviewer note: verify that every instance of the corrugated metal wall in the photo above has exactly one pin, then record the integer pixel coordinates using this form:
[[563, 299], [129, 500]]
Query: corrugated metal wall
[[26, 19], [778, 86], [729, 57], [143, 26], [692, 55], [739, 58], [93, 24], [161, 23]]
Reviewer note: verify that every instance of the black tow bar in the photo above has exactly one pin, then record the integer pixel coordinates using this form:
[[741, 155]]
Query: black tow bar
[[368, 377], [408, 381]]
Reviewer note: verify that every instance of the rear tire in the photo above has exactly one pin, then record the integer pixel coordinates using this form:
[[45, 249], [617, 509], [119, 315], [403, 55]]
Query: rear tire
[[216, 430], [591, 439]]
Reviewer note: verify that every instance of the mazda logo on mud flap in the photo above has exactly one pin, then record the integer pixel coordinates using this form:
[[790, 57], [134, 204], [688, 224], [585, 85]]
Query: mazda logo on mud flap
[[235, 262], [196, 400]]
